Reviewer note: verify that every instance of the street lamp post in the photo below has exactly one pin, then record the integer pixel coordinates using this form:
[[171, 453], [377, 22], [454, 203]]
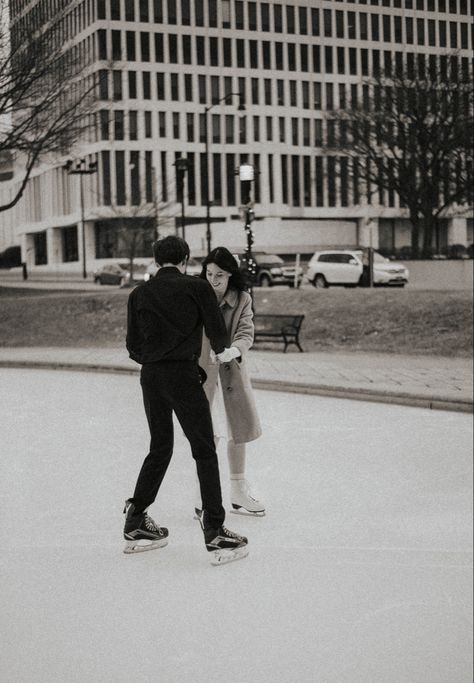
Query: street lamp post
[[247, 175], [241, 107], [81, 167], [181, 168]]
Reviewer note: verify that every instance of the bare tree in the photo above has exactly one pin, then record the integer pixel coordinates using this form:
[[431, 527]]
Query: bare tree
[[46, 90], [412, 134]]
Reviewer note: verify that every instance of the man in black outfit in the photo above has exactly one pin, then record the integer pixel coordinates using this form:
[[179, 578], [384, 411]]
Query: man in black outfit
[[166, 316]]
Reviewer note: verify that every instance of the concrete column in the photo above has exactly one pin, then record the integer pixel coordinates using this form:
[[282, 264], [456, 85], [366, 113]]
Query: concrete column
[[53, 241], [368, 230], [457, 230]]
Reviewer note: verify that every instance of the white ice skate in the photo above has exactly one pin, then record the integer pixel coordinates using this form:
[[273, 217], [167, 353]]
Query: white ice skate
[[243, 501]]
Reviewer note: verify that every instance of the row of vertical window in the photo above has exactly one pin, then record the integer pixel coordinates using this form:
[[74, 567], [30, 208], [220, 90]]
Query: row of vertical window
[[223, 129], [252, 16], [304, 180], [178, 87], [171, 48]]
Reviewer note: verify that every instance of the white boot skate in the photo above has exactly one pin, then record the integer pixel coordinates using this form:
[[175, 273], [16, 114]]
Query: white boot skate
[[243, 502]]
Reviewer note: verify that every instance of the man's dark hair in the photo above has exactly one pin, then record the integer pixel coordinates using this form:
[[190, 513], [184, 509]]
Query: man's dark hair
[[170, 249]]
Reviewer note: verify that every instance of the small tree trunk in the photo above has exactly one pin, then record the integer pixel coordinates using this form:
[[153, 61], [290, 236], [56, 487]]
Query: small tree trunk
[[430, 224]]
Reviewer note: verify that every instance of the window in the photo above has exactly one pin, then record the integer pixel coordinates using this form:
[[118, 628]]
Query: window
[[351, 25], [199, 12], [280, 92], [314, 21], [144, 11], [101, 9], [420, 30], [290, 19], [329, 96], [186, 12], [102, 39], [186, 42], [162, 124], [175, 120], [70, 244], [303, 20], [133, 125], [116, 46], [327, 23], [148, 124], [387, 33], [240, 44], [41, 248], [352, 60], [267, 84], [316, 59], [453, 34], [253, 49], [117, 85], [173, 48], [256, 128], [291, 57], [409, 30], [159, 48], [254, 90], [267, 62], [104, 124], [269, 128], [281, 129], [317, 95], [328, 59], [130, 40], [293, 95], [304, 63], [374, 23], [227, 51], [200, 50], [106, 195], [145, 46], [171, 11], [340, 24], [229, 129], [190, 127], [174, 87], [252, 15], [132, 85], [398, 29], [340, 60], [160, 86], [239, 15], [442, 34], [119, 128], [279, 56], [188, 87], [146, 85], [305, 94], [277, 18], [431, 32], [214, 51], [129, 10]]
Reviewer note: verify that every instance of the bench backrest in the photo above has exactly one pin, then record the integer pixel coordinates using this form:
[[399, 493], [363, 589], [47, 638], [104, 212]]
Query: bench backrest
[[270, 321]]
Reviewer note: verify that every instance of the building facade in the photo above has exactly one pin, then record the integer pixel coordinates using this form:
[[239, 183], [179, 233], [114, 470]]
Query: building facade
[[168, 75]]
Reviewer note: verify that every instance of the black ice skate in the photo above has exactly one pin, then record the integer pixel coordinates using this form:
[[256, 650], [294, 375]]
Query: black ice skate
[[225, 546], [141, 532]]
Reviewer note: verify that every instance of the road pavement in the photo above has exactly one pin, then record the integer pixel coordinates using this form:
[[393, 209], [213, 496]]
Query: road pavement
[[361, 570]]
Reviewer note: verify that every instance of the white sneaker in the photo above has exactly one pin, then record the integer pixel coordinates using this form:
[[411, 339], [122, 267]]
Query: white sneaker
[[242, 499]]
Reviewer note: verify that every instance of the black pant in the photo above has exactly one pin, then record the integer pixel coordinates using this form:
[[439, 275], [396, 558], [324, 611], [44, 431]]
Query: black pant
[[176, 386]]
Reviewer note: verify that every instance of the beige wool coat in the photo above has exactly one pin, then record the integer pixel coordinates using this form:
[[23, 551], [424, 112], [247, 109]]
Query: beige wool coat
[[241, 412]]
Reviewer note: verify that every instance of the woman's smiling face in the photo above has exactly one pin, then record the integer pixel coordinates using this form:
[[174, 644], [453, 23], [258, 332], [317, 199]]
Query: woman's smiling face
[[218, 278]]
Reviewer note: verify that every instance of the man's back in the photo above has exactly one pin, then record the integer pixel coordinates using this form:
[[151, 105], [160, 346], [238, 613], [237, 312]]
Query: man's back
[[166, 317]]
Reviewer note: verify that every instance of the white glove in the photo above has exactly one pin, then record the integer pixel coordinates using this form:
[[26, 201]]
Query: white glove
[[228, 354]]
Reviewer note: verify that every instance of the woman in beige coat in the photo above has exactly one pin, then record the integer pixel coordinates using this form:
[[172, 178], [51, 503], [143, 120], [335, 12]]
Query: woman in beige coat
[[227, 386]]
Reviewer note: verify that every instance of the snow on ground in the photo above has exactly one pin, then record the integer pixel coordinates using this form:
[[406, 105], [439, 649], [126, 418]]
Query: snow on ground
[[359, 573]]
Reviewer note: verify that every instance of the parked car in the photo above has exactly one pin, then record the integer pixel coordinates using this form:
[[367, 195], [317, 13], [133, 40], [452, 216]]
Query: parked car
[[119, 274], [349, 269], [272, 270], [194, 267]]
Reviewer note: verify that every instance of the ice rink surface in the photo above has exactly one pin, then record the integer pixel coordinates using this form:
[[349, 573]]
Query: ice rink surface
[[360, 572]]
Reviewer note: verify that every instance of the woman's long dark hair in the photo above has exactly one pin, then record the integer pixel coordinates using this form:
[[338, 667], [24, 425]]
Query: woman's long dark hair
[[224, 259]]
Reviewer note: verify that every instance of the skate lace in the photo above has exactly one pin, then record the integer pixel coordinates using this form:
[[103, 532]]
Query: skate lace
[[150, 524], [227, 532]]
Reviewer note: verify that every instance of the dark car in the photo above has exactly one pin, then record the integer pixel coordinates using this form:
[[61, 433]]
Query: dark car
[[272, 270], [119, 274]]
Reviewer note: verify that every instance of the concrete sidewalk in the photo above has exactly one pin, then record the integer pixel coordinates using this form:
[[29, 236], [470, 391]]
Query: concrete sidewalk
[[429, 382]]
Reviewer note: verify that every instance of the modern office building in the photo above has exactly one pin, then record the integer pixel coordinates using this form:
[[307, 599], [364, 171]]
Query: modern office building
[[168, 73]]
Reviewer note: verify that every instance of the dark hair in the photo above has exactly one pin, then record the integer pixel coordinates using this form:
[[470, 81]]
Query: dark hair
[[224, 259], [170, 249]]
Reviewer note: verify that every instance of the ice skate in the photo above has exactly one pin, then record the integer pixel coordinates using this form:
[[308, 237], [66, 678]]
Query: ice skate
[[141, 532], [243, 501], [225, 546]]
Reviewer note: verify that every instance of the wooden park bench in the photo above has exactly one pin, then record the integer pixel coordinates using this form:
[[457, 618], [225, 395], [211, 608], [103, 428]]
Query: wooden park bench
[[270, 327]]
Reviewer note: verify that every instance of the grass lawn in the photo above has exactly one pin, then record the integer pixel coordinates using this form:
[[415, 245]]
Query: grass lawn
[[380, 320]]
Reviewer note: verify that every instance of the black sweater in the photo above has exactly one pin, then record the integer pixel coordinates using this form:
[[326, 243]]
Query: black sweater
[[166, 316]]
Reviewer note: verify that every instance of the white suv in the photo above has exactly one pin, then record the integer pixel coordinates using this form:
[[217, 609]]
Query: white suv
[[349, 269]]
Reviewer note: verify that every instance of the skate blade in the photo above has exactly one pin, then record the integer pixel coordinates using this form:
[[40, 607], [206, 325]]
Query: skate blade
[[221, 557], [132, 547], [237, 510]]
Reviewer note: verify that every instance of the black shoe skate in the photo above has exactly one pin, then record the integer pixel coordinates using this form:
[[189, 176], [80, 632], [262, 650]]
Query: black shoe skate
[[141, 532], [225, 545]]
